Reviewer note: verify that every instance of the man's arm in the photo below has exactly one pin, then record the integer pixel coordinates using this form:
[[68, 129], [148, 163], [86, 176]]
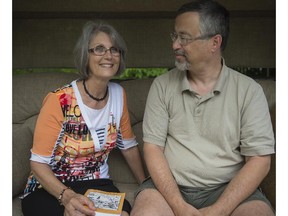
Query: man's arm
[[162, 177], [241, 186]]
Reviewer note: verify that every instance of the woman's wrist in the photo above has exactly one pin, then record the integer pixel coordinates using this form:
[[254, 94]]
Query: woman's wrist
[[60, 198]]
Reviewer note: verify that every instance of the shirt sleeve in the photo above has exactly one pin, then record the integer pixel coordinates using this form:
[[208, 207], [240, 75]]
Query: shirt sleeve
[[48, 127], [257, 137], [156, 117], [128, 137]]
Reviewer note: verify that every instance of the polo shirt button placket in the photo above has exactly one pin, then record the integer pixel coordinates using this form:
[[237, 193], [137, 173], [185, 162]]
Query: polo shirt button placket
[[197, 111]]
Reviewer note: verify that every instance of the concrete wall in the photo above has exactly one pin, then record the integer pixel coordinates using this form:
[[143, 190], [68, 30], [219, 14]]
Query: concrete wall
[[44, 32]]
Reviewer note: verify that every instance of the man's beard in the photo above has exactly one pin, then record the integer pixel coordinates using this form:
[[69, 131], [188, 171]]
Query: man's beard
[[184, 66]]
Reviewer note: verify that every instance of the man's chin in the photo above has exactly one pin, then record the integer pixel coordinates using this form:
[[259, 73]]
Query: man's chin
[[182, 66]]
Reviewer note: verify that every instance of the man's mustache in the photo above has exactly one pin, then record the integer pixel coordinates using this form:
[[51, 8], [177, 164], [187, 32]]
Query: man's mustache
[[179, 52]]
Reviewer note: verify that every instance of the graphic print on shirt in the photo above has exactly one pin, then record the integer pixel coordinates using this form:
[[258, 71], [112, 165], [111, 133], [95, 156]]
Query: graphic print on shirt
[[74, 156]]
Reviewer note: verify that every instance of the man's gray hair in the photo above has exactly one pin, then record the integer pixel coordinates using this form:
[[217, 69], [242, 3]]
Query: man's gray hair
[[214, 18]]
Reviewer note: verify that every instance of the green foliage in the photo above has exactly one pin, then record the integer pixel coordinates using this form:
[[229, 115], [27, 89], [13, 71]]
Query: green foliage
[[129, 73], [140, 73], [39, 70]]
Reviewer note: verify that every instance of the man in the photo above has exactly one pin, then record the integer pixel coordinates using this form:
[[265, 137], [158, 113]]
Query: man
[[207, 130]]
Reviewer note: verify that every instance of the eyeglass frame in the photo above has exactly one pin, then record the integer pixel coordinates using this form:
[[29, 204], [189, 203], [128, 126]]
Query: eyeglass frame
[[92, 50], [174, 37]]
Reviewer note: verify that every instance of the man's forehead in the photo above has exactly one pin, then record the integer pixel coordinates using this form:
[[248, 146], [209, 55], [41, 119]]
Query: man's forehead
[[187, 23]]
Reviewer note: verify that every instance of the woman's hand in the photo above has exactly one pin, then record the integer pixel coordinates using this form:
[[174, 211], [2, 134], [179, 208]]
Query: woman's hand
[[77, 204]]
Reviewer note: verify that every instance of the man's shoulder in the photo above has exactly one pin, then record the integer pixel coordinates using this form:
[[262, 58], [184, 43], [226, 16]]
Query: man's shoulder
[[170, 77], [242, 82], [240, 77]]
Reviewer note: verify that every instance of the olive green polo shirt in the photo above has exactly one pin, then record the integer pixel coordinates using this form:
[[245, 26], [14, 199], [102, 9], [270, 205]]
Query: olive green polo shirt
[[206, 137]]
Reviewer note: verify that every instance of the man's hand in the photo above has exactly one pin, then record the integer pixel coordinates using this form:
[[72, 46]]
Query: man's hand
[[186, 209], [211, 211]]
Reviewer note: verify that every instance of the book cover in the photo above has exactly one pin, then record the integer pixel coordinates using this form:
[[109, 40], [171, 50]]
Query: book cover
[[106, 203]]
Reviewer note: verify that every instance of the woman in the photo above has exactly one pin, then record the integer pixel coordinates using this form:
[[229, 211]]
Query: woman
[[78, 125]]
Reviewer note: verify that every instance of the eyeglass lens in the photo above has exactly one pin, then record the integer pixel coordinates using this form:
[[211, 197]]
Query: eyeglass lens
[[183, 40]]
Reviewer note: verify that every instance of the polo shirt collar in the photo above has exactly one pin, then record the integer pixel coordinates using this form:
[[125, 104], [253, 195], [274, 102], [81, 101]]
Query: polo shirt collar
[[184, 82], [222, 78], [219, 84]]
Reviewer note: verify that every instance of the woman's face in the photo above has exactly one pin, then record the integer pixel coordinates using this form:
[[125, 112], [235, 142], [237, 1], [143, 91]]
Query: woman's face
[[104, 63]]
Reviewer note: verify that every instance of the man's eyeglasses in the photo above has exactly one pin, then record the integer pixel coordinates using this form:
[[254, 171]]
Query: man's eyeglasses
[[100, 50], [185, 39]]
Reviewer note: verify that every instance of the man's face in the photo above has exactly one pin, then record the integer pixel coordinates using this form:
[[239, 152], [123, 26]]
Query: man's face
[[189, 48]]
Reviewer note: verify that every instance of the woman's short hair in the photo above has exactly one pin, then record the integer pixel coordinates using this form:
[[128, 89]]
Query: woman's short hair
[[90, 30]]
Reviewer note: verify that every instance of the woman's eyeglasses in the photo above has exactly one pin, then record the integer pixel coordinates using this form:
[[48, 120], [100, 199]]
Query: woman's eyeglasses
[[100, 50]]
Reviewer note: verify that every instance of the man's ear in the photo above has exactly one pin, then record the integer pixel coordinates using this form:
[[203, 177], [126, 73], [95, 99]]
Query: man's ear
[[216, 42]]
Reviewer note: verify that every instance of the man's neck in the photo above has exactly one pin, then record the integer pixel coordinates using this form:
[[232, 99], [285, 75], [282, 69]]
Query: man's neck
[[203, 78]]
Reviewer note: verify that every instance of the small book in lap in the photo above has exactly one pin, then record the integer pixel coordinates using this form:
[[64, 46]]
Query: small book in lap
[[106, 203]]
